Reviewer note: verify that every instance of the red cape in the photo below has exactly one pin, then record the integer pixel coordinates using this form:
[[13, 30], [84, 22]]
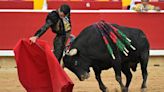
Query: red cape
[[38, 68]]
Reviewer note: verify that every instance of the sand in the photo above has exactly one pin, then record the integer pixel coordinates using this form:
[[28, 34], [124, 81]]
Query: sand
[[9, 81]]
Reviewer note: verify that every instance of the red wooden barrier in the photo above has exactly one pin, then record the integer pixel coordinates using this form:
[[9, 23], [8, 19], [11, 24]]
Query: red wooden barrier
[[17, 25], [16, 4], [55, 4], [82, 5]]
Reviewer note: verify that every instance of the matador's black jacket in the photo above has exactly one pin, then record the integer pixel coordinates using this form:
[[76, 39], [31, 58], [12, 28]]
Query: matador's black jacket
[[56, 24]]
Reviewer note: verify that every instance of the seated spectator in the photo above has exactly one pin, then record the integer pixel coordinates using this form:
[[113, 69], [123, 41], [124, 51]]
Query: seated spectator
[[145, 6]]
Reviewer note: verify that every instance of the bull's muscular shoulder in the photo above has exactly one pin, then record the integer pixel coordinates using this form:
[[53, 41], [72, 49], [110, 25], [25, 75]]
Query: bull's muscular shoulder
[[53, 16]]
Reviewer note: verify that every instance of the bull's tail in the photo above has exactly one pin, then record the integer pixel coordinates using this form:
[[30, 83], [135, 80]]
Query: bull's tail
[[144, 62]]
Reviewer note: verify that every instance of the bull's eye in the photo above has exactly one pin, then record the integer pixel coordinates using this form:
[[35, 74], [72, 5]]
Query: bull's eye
[[76, 62]]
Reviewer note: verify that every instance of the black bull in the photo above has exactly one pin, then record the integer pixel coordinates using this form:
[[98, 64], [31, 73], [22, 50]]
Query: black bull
[[89, 50]]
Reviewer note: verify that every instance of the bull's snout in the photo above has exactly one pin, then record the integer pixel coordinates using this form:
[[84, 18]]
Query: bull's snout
[[84, 76]]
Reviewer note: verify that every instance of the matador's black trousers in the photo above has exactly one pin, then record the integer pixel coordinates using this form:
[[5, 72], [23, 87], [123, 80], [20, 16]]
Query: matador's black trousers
[[59, 45]]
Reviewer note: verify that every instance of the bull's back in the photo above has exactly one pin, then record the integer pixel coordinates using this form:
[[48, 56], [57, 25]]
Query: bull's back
[[137, 36], [138, 40]]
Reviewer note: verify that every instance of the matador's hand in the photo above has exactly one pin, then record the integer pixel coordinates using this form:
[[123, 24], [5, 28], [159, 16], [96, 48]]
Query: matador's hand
[[33, 39]]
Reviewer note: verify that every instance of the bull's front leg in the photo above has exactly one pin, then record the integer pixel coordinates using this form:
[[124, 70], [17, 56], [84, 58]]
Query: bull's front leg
[[117, 70], [98, 78]]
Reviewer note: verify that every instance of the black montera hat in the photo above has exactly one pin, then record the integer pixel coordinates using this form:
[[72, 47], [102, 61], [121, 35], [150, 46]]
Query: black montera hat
[[65, 9]]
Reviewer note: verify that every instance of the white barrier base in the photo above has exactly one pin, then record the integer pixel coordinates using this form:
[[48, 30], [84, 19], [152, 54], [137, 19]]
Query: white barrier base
[[152, 53]]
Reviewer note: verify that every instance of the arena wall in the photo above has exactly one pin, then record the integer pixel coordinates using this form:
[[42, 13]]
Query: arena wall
[[17, 24]]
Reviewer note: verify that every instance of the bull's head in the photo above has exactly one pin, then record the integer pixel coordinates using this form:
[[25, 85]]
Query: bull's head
[[75, 62]]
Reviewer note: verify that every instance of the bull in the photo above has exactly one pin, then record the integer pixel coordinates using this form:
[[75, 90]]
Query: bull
[[88, 50]]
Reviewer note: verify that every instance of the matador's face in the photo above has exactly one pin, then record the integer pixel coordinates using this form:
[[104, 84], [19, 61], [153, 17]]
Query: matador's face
[[61, 14]]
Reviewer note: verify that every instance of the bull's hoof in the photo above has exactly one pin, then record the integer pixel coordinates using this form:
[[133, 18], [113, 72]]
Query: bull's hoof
[[125, 89], [105, 90], [143, 86], [143, 89]]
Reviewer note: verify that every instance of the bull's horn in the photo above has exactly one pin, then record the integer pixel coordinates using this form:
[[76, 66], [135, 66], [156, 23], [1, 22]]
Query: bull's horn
[[72, 52]]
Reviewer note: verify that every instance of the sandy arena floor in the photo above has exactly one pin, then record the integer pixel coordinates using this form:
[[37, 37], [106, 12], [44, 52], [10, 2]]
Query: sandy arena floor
[[9, 80]]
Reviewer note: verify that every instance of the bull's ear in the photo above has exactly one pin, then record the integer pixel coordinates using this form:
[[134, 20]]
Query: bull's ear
[[72, 52]]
